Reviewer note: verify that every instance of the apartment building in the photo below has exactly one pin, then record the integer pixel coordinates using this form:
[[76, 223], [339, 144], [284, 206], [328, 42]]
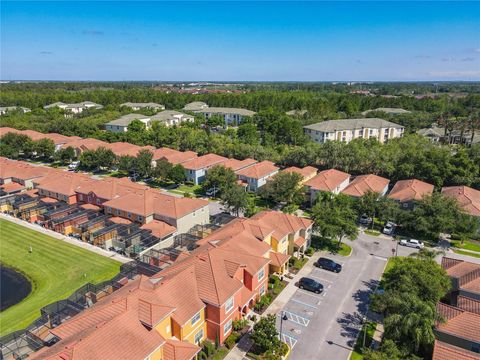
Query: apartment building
[[408, 192], [62, 186], [172, 117], [332, 180], [367, 183], [195, 106], [74, 108], [121, 124], [231, 116], [6, 109], [348, 129], [256, 176], [139, 106]]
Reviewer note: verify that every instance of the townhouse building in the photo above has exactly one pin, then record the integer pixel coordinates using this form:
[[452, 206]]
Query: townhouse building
[[172, 117], [307, 173], [173, 156], [75, 108], [256, 175], [196, 168], [365, 183], [408, 192], [63, 186], [348, 129], [331, 180], [467, 198], [195, 106], [231, 116], [6, 109]]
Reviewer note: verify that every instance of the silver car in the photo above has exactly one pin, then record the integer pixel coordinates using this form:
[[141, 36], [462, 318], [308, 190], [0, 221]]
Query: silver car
[[417, 244]]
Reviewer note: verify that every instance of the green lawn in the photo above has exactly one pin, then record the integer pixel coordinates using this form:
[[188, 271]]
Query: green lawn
[[55, 268], [467, 245], [372, 232], [468, 253], [357, 351], [319, 243]]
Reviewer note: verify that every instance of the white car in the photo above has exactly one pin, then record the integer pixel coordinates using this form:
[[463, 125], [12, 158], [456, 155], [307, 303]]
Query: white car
[[389, 228], [74, 165], [417, 244]]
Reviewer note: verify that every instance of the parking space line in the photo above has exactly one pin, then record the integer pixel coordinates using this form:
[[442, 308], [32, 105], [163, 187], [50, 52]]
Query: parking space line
[[323, 271], [290, 340], [304, 303], [319, 278], [296, 318], [308, 294]]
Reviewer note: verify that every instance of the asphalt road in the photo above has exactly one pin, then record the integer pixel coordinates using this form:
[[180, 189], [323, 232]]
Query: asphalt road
[[326, 326]]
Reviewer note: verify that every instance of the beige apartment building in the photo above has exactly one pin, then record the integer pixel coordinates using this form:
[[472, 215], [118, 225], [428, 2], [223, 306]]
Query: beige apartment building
[[348, 129]]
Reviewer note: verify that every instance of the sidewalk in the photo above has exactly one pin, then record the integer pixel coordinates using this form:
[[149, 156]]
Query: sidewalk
[[240, 350], [84, 245]]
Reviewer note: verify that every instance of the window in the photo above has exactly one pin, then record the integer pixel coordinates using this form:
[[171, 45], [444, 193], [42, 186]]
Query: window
[[80, 197], [229, 305], [199, 336], [227, 327], [261, 274], [262, 291], [196, 318]]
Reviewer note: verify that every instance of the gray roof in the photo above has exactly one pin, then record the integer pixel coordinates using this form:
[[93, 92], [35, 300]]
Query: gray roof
[[225, 110], [143, 105], [125, 120], [10, 108], [391, 111], [195, 106], [351, 124], [76, 105], [167, 115], [55, 104], [432, 131], [296, 112]]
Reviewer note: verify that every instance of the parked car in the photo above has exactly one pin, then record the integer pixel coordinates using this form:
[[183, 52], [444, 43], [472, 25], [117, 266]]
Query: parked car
[[365, 219], [74, 165], [310, 285], [389, 228], [328, 264], [417, 244]]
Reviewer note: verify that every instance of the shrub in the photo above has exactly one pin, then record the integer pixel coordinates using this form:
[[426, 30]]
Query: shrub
[[309, 251], [208, 348], [231, 340], [253, 317], [264, 301], [274, 279], [202, 355], [239, 324]]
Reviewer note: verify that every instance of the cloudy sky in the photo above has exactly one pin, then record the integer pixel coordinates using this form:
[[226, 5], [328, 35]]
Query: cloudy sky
[[263, 41]]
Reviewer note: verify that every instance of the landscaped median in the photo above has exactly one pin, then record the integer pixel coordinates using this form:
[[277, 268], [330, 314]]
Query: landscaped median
[[55, 268], [323, 244]]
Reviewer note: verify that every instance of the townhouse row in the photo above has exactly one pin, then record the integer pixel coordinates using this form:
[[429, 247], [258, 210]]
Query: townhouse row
[[108, 213], [458, 335]]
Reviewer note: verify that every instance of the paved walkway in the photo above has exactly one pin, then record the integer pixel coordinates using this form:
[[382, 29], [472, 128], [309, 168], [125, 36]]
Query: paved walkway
[[84, 245], [240, 350]]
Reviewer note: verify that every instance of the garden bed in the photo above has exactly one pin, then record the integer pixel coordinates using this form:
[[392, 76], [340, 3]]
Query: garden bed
[[275, 287]]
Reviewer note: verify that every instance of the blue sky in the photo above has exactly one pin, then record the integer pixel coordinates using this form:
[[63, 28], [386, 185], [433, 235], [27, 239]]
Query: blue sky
[[263, 41]]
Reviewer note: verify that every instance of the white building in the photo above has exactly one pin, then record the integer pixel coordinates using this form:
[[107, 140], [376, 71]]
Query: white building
[[172, 117], [195, 106], [121, 124], [74, 108], [232, 116], [138, 106], [348, 129], [5, 109]]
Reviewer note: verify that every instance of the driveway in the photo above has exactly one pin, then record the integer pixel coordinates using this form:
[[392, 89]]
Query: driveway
[[326, 325]]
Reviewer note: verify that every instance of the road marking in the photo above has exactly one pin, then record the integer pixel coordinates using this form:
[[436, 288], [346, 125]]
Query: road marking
[[323, 271], [380, 258], [304, 303], [319, 278], [305, 292], [295, 318], [290, 340]]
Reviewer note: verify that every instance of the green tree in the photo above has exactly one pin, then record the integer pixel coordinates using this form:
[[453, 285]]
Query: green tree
[[162, 169], [220, 178], [136, 126], [248, 134], [44, 148], [335, 217], [176, 174], [368, 204], [65, 155], [235, 199], [143, 163], [284, 187], [265, 335], [126, 163]]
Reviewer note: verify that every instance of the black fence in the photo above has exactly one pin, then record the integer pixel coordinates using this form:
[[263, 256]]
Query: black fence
[[20, 344]]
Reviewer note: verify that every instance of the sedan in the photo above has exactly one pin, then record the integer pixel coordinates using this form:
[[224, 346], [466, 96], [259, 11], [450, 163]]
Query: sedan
[[327, 264], [417, 244], [310, 285]]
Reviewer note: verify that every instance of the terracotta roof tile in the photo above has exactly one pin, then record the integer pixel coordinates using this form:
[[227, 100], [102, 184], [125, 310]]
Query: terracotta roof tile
[[307, 172], [282, 224], [127, 149], [173, 156], [363, 183], [444, 351], [259, 170], [65, 183], [11, 187], [468, 199], [468, 304], [459, 322], [408, 190], [110, 188], [327, 180], [159, 229], [179, 350], [236, 165], [300, 241], [203, 162], [278, 259]]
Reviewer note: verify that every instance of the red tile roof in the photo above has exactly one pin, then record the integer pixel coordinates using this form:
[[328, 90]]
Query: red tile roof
[[281, 223], [468, 199], [179, 350], [236, 165], [363, 183], [173, 156], [300, 241], [110, 188], [459, 322], [306, 172], [203, 162], [81, 145], [148, 202], [65, 183], [444, 351], [327, 180], [159, 229], [119, 220], [278, 259], [12, 187], [259, 170], [408, 190], [127, 149], [468, 304]]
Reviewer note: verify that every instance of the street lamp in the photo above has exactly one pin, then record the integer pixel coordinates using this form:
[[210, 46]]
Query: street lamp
[[282, 318]]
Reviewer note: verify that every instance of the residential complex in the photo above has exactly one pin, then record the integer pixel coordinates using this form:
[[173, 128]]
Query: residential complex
[[172, 117], [74, 108], [438, 134], [331, 180], [139, 106], [408, 192], [166, 117], [256, 175], [349, 129], [389, 111], [231, 116], [6, 109]]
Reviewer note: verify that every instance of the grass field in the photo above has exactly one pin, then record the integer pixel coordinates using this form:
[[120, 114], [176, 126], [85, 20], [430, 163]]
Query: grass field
[[467, 245], [55, 268], [461, 252]]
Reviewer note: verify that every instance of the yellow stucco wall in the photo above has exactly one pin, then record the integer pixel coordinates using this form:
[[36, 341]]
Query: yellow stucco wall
[[165, 327], [189, 331]]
